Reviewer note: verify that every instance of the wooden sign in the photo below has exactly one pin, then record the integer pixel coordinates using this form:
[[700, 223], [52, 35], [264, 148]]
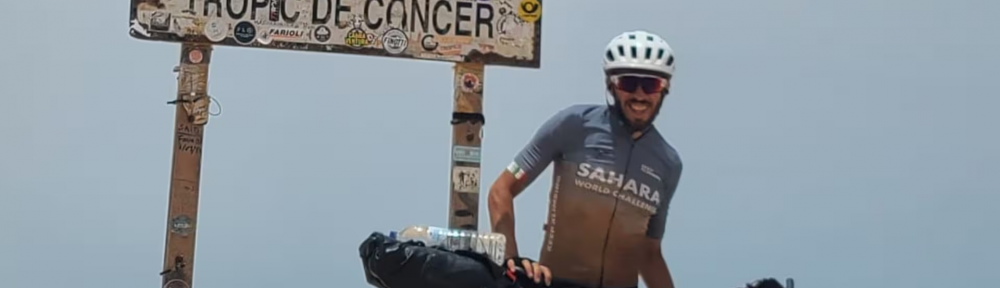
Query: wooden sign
[[492, 32]]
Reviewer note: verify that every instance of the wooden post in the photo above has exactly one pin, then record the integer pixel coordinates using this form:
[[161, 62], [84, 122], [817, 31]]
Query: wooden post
[[185, 177], [467, 124]]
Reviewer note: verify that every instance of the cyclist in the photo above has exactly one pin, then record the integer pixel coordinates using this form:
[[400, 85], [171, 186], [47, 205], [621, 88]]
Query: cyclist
[[613, 178]]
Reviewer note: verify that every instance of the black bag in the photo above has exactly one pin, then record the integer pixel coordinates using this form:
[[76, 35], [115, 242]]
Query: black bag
[[769, 283], [389, 263]]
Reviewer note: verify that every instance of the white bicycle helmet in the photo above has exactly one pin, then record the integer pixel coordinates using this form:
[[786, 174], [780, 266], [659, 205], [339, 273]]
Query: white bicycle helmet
[[639, 51]]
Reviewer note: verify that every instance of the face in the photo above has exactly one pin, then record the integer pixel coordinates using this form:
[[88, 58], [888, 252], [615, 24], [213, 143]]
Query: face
[[639, 96]]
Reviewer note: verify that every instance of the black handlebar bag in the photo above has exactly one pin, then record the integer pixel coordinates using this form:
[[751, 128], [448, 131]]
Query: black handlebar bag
[[389, 263]]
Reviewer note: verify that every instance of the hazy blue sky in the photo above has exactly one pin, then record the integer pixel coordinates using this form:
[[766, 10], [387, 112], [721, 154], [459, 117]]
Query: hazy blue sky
[[845, 143]]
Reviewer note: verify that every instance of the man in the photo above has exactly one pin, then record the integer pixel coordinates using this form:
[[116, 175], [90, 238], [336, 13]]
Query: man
[[613, 178]]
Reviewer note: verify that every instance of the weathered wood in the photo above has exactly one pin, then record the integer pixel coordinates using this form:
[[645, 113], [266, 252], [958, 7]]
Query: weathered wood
[[189, 128], [467, 124]]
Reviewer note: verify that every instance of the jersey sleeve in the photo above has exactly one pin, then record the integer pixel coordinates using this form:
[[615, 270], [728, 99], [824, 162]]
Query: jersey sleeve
[[549, 141], [658, 222]]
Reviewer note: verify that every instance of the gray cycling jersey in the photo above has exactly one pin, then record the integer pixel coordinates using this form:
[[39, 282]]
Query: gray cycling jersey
[[609, 193]]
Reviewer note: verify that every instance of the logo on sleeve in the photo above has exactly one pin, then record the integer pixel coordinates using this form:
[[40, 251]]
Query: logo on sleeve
[[649, 171], [515, 169]]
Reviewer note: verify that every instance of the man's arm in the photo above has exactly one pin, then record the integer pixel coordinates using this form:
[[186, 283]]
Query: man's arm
[[653, 268], [501, 205], [547, 143]]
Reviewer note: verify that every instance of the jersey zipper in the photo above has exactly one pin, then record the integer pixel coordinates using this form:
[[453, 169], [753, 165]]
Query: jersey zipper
[[611, 221]]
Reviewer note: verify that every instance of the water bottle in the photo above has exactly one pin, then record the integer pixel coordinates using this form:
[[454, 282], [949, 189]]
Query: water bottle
[[492, 244]]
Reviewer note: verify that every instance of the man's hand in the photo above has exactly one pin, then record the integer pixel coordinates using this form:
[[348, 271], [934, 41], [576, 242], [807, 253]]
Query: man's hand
[[535, 271]]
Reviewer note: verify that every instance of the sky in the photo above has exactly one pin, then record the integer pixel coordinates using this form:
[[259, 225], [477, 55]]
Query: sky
[[848, 143]]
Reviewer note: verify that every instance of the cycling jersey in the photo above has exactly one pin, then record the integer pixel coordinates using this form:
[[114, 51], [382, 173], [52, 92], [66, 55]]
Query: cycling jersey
[[609, 193]]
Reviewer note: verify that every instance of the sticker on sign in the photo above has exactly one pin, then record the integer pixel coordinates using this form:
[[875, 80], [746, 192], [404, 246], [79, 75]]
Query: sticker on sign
[[466, 154], [465, 179], [496, 32]]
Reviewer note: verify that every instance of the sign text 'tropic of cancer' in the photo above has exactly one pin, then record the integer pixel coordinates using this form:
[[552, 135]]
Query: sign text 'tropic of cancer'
[[500, 32]]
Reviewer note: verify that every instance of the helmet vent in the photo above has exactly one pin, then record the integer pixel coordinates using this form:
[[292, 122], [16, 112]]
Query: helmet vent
[[670, 61], [649, 53], [609, 55]]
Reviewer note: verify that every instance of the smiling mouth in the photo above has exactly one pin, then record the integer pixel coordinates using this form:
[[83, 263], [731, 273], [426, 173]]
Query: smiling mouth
[[639, 106]]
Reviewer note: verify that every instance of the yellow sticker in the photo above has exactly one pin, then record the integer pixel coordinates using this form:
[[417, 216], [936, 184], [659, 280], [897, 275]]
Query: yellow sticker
[[529, 10]]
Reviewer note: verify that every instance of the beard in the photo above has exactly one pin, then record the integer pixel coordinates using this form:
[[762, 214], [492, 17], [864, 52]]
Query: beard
[[619, 107]]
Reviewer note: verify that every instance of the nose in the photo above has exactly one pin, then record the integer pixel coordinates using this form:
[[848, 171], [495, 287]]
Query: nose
[[641, 94]]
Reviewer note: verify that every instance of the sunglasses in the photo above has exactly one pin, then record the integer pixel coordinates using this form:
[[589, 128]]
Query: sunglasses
[[631, 83]]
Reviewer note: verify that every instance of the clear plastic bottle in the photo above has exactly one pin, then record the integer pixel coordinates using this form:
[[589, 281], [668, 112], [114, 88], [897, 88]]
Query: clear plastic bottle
[[492, 244]]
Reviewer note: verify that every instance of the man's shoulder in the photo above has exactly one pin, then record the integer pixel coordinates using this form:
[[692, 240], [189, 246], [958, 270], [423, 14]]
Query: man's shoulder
[[579, 113], [583, 110], [666, 152]]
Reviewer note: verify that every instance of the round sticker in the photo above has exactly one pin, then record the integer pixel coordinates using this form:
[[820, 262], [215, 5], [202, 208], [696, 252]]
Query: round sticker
[[244, 32], [529, 10], [469, 82], [265, 37], [195, 56], [394, 41], [321, 34], [356, 38], [176, 283], [216, 30]]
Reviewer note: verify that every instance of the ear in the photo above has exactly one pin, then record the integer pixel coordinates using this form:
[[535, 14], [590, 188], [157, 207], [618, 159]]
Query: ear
[[610, 97], [666, 89]]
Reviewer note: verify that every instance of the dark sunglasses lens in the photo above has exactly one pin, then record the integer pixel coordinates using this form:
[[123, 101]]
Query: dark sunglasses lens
[[632, 83]]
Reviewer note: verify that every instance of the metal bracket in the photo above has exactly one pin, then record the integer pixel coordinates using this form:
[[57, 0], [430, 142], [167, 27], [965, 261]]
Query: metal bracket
[[178, 265]]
